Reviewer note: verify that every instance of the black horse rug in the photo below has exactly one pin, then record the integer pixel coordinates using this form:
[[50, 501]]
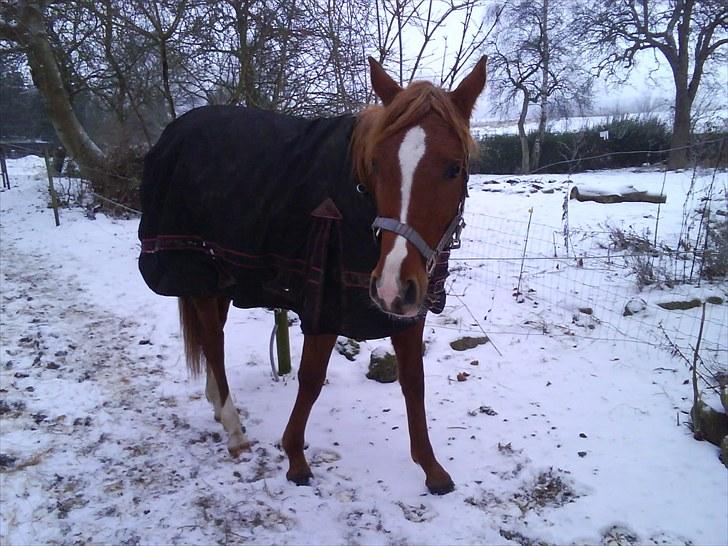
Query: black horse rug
[[263, 208]]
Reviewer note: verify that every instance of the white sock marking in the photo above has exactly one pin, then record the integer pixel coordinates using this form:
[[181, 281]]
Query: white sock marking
[[231, 423], [212, 393], [411, 152]]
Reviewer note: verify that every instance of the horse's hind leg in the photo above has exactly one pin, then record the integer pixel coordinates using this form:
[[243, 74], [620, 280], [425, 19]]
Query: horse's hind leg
[[408, 348], [203, 319], [311, 377], [212, 393]]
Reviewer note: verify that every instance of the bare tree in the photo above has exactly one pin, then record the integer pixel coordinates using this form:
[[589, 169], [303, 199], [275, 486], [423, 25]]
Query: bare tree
[[391, 18], [534, 64], [687, 33], [113, 65], [513, 70], [23, 23], [250, 52], [410, 32], [134, 65], [471, 39], [339, 30], [158, 21]]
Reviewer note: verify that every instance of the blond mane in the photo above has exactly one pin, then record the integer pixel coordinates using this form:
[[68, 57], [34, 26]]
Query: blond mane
[[376, 123]]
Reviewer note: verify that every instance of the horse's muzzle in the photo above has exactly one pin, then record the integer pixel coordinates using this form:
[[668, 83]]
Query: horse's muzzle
[[405, 303]]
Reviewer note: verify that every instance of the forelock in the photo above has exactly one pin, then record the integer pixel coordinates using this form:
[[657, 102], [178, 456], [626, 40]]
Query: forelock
[[406, 109]]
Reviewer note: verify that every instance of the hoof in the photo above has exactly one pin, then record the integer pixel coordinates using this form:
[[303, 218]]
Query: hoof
[[237, 448], [442, 488], [300, 478]]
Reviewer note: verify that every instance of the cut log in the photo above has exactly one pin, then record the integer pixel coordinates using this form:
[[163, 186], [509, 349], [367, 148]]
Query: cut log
[[626, 195]]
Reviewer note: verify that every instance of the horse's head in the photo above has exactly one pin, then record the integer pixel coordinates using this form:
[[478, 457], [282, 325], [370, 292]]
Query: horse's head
[[412, 154]]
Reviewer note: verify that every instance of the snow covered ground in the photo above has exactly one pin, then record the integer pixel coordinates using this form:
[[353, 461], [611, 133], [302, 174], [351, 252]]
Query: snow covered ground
[[565, 431], [716, 120]]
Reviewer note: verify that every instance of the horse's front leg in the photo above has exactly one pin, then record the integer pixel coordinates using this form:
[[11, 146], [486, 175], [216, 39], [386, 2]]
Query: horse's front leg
[[311, 377], [408, 348]]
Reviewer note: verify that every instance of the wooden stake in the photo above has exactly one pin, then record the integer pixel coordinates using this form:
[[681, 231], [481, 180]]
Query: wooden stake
[[523, 257], [4, 168], [697, 425], [282, 342], [51, 189]]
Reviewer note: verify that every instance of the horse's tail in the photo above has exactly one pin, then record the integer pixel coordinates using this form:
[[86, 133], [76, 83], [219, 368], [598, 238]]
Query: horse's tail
[[191, 327]]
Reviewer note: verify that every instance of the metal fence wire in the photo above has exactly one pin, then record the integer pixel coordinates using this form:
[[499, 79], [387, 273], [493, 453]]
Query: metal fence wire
[[585, 289], [527, 277], [532, 276]]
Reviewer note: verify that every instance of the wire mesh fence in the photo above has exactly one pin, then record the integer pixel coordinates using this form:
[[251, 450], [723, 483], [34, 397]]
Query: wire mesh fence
[[592, 285], [529, 276], [522, 277]]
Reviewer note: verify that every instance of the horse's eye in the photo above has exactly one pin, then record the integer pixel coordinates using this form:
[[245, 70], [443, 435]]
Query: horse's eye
[[453, 171]]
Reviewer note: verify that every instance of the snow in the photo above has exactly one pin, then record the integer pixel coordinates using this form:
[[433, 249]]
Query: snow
[[712, 121], [565, 431], [592, 190]]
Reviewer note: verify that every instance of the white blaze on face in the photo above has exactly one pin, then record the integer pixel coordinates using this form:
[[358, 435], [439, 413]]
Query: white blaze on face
[[411, 151]]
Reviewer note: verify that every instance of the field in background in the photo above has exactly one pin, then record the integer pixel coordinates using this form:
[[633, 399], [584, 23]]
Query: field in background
[[716, 120]]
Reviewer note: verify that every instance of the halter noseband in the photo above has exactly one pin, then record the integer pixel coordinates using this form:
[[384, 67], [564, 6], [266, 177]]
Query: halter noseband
[[449, 240]]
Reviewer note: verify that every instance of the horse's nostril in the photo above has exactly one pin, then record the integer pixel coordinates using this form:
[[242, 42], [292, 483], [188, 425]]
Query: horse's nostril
[[410, 293]]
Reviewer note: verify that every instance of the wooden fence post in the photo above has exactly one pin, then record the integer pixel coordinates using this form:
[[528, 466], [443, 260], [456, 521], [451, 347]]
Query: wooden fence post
[[282, 342], [4, 168], [51, 189]]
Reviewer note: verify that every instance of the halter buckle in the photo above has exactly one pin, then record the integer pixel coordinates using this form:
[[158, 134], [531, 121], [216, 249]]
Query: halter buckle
[[376, 232], [456, 242]]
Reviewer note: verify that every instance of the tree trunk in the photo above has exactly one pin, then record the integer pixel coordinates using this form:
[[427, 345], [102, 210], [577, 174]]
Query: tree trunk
[[165, 77], [525, 167], [679, 63], [243, 92], [47, 78], [543, 91], [540, 135], [398, 7], [679, 154], [122, 88]]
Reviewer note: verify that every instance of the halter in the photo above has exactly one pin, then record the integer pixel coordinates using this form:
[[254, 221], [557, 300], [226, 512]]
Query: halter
[[450, 240]]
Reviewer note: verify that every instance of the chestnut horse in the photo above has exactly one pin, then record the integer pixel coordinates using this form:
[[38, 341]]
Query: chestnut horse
[[408, 160]]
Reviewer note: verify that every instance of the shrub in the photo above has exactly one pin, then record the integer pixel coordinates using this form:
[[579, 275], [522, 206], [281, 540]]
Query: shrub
[[120, 181], [715, 260], [629, 240], [632, 142], [711, 149]]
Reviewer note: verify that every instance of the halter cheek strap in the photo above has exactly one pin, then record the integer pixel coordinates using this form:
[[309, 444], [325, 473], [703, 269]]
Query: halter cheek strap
[[450, 239], [408, 232]]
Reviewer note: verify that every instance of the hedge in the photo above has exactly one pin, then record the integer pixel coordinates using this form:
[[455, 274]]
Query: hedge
[[632, 142]]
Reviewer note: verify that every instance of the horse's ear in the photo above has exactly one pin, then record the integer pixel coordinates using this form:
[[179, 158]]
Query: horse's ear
[[382, 83], [467, 92]]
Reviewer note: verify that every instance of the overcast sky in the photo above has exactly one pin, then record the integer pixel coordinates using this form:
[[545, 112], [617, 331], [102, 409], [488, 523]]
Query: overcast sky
[[648, 87]]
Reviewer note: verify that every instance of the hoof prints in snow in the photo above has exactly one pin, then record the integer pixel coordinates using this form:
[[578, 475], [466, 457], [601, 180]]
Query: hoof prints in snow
[[417, 514], [550, 489], [68, 381], [90, 446], [104, 441]]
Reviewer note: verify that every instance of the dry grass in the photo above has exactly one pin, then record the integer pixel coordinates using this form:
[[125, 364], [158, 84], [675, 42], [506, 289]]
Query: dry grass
[[33, 460]]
